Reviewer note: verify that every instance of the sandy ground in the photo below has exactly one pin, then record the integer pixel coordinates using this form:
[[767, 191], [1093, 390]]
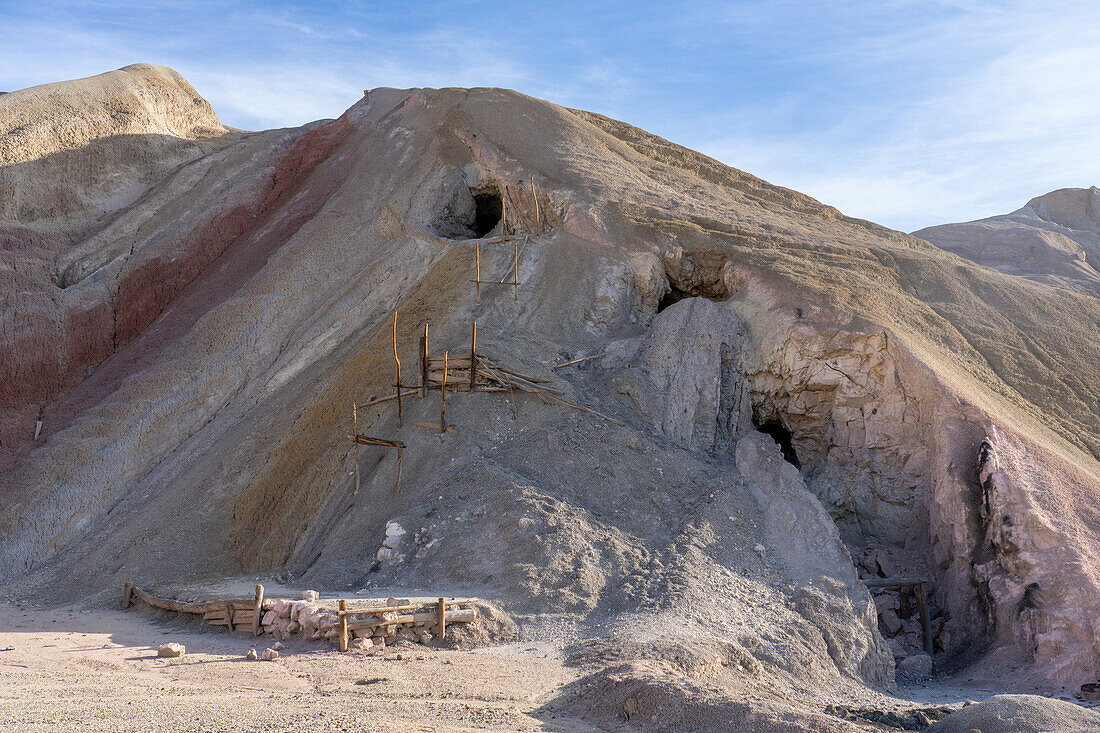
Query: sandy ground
[[97, 670]]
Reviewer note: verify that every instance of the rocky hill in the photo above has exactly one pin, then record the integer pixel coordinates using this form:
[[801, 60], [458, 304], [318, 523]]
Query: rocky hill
[[781, 399], [1054, 239]]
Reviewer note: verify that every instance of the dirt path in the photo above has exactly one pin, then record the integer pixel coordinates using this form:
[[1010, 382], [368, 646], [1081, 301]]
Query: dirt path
[[98, 671]]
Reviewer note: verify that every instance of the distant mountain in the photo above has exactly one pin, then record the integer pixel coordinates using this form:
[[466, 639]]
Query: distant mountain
[[1054, 239]]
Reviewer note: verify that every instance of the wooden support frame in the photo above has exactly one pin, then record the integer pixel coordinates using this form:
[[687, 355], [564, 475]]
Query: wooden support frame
[[514, 270], [919, 587], [379, 443]]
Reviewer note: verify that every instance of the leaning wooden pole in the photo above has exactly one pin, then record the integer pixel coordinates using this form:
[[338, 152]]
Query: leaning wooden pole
[[515, 272], [504, 215], [443, 398], [355, 433], [398, 362], [473, 357]]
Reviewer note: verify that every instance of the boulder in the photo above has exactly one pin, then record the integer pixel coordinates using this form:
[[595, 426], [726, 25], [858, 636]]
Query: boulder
[[269, 655], [310, 595]]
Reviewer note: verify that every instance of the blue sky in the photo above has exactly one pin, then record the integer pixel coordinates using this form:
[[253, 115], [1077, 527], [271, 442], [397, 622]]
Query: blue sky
[[907, 113]]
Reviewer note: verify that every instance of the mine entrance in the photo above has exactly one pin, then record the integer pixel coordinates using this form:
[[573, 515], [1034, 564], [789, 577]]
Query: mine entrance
[[487, 212], [781, 435]]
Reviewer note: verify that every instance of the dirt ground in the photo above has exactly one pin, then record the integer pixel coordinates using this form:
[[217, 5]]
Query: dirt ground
[[97, 670]]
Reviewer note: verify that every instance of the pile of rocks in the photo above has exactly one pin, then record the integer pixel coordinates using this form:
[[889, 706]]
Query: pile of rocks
[[309, 619], [305, 618]]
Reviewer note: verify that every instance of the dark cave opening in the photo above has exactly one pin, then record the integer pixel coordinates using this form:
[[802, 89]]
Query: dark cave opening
[[470, 213], [487, 212], [674, 295], [778, 432]]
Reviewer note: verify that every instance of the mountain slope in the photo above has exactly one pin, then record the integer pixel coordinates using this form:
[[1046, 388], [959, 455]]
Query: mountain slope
[[1053, 239], [936, 409]]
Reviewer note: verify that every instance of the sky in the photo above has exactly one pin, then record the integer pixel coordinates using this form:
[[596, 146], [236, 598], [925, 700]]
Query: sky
[[908, 113]]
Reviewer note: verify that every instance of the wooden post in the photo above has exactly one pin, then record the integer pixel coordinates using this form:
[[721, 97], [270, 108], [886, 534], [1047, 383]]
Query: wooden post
[[504, 215], [229, 616], [424, 362], [538, 220], [925, 622], [355, 436], [443, 398], [473, 357], [515, 272], [441, 609], [398, 362], [477, 271], [343, 633], [257, 610], [127, 594]]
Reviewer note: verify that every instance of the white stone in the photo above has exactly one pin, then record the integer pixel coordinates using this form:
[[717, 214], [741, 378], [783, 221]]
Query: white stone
[[310, 595], [171, 649], [269, 655], [252, 655]]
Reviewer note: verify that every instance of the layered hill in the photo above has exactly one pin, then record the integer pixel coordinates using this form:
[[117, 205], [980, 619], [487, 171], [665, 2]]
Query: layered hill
[[788, 389], [1054, 239]]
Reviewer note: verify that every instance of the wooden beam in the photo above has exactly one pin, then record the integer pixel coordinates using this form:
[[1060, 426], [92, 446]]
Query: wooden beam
[[477, 269], [515, 266], [441, 610]]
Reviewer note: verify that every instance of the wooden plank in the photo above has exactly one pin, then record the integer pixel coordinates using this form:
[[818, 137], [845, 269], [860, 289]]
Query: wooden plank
[[429, 619], [258, 609], [571, 362], [408, 607], [890, 582], [343, 632]]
